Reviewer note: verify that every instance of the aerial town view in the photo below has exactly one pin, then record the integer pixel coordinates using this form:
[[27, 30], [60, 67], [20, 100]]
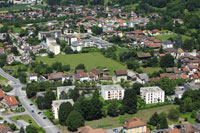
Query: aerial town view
[[99, 66]]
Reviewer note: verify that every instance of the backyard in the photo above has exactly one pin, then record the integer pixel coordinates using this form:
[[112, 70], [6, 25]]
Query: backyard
[[144, 115], [90, 60], [166, 37], [28, 119]]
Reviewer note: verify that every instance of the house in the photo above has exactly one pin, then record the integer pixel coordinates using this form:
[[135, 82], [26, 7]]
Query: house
[[11, 102], [134, 125], [179, 91], [22, 123], [143, 55], [106, 79], [120, 74], [109, 92], [167, 44], [88, 129], [33, 77], [152, 94], [59, 76], [2, 95], [142, 78], [63, 89], [53, 46], [5, 129], [155, 46], [53, 33], [98, 74], [56, 104]]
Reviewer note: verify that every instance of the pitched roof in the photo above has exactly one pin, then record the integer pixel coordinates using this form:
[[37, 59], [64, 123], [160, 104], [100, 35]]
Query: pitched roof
[[79, 71], [2, 95], [11, 100], [57, 75], [154, 45], [4, 128], [121, 72], [133, 122], [143, 55], [95, 71]]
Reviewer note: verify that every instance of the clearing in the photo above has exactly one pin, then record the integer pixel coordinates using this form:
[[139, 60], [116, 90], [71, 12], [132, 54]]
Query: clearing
[[90, 60], [166, 37], [150, 70], [144, 115]]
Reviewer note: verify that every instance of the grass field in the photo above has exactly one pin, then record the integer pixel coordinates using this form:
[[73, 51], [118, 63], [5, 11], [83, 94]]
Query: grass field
[[144, 115], [15, 7], [150, 70], [188, 116], [26, 118], [166, 37], [3, 79], [90, 60]]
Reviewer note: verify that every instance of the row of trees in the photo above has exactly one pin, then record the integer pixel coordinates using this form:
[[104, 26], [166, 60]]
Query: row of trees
[[75, 2]]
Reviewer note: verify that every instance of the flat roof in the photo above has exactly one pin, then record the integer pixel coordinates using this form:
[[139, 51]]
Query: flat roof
[[112, 87], [151, 89]]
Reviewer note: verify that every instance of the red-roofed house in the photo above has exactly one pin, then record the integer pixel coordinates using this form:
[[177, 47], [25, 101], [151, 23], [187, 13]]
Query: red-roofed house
[[134, 125], [11, 102], [33, 77], [121, 74], [2, 95]]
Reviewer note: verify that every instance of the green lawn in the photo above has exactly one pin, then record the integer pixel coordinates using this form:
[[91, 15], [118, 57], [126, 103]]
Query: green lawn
[[144, 115], [26, 118], [188, 116], [90, 60], [166, 37], [3, 79], [150, 70], [15, 7]]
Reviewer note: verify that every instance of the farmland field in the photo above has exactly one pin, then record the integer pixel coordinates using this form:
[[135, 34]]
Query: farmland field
[[90, 60]]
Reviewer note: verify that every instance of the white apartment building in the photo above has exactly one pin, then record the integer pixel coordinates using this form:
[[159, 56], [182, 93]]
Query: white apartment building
[[109, 92], [56, 104], [53, 46], [152, 94]]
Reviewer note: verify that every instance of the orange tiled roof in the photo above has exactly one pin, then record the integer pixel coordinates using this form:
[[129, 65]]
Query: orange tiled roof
[[133, 122], [2, 95], [11, 100]]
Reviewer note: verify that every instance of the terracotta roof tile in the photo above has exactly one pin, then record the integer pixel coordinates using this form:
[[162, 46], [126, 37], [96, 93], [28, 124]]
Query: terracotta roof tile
[[2, 95], [11, 100], [121, 72], [133, 122]]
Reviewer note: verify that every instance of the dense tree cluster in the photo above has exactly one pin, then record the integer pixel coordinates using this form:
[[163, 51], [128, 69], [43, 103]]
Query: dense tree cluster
[[159, 121], [44, 102]]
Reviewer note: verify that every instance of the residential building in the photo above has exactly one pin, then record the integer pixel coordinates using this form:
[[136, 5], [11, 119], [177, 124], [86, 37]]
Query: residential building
[[121, 74], [56, 104], [59, 76], [33, 77], [2, 95], [153, 94], [5, 129], [134, 125], [88, 129], [53, 33], [63, 89], [11, 102], [167, 44], [109, 92], [53, 46]]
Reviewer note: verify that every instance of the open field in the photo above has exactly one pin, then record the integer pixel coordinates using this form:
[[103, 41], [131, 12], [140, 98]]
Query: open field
[[26, 118], [90, 60], [150, 70], [166, 37], [144, 115], [3, 79], [20, 7]]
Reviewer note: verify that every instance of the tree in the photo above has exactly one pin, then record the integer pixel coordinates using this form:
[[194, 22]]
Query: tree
[[51, 54], [2, 60], [73, 94], [66, 68], [136, 86], [82, 29], [167, 85], [167, 61], [48, 98], [80, 67], [40, 102], [129, 101], [113, 109], [63, 112], [68, 50], [155, 120], [12, 126], [74, 120], [14, 50], [97, 30], [164, 123], [21, 130], [173, 114], [31, 129]]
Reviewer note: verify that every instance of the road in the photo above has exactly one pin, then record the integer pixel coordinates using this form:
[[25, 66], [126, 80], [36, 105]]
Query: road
[[38, 118]]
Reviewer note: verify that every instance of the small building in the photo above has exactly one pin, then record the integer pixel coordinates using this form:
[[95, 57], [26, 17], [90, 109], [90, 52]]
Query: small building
[[33, 77], [63, 89], [11, 102], [59, 76], [56, 104], [153, 94], [143, 55], [5, 129], [121, 74], [109, 92], [88, 129], [53, 46], [134, 125], [2, 95], [22, 123], [167, 44]]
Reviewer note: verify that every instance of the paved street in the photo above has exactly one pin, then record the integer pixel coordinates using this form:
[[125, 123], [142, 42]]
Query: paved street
[[45, 123]]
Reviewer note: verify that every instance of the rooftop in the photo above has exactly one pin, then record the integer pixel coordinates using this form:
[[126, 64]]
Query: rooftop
[[112, 87], [151, 89]]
